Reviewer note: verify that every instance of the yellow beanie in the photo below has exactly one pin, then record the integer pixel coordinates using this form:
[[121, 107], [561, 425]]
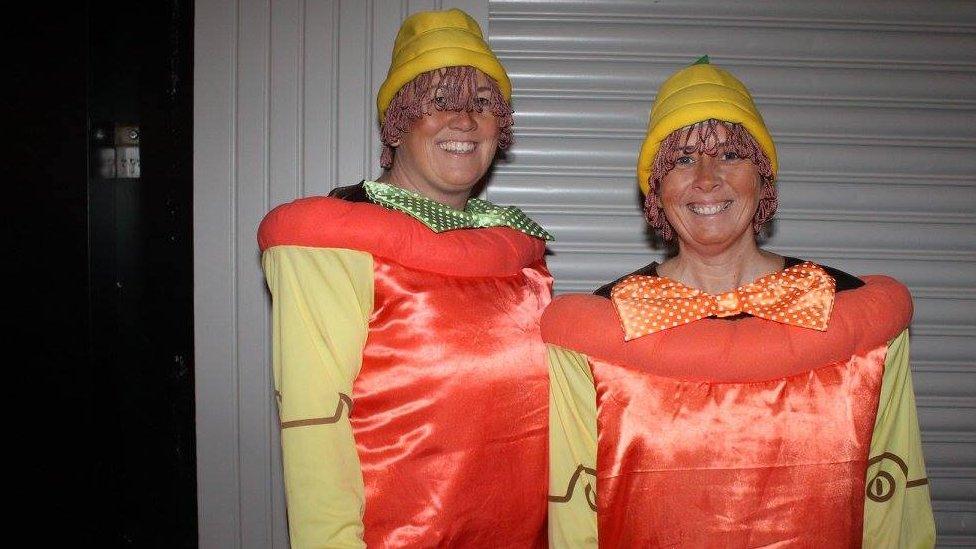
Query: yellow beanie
[[431, 40], [693, 94]]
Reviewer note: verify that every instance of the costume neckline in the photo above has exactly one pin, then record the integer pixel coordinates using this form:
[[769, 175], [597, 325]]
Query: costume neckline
[[788, 263], [801, 295], [844, 280], [438, 217]]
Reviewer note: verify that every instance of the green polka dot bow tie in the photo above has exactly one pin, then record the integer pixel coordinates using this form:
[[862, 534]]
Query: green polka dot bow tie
[[477, 213]]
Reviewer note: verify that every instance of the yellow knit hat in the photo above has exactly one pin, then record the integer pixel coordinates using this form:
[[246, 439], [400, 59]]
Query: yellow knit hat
[[696, 93], [431, 40]]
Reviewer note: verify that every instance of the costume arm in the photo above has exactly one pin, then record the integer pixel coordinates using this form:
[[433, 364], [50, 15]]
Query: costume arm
[[897, 508], [321, 302], [572, 451]]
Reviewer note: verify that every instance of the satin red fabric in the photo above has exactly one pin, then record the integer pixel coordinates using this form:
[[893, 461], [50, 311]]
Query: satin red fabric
[[763, 464], [451, 410], [735, 433]]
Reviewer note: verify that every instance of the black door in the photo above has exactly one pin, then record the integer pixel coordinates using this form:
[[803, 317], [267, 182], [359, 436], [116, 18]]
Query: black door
[[104, 270]]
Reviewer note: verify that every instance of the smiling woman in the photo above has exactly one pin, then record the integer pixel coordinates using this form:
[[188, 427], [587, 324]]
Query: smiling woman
[[713, 177], [441, 132], [718, 139], [409, 365], [729, 396]]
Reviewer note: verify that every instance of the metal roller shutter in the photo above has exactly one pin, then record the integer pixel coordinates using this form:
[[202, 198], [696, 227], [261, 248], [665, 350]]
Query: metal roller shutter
[[872, 107]]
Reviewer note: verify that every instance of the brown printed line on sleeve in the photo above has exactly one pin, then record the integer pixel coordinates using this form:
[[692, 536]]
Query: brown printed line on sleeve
[[344, 402]]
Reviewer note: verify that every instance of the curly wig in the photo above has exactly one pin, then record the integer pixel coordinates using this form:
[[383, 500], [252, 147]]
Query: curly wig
[[678, 143], [446, 89]]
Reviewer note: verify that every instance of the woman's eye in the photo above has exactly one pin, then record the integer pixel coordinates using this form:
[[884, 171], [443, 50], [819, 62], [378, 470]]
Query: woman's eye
[[683, 160], [730, 155], [483, 102]]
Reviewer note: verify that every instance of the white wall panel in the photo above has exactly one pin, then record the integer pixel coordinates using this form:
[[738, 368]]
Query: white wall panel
[[215, 374], [872, 108], [253, 167], [284, 108]]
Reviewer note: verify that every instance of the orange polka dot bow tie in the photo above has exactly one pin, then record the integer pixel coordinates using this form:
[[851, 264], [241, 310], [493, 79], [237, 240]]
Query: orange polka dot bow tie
[[802, 295]]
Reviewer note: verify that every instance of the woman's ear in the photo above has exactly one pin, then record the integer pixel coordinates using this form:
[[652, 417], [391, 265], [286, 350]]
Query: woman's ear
[[395, 143]]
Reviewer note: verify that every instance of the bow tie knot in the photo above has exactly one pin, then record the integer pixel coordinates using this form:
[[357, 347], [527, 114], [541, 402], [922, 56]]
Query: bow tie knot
[[727, 304]]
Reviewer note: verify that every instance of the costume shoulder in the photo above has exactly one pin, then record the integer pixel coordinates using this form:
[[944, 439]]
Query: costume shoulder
[[325, 222], [647, 270], [844, 281], [748, 349]]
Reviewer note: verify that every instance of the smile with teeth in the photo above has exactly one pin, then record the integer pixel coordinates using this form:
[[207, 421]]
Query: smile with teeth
[[709, 209], [457, 147]]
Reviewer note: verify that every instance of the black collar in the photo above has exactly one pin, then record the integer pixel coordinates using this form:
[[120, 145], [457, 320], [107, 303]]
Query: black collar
[[351, 193]]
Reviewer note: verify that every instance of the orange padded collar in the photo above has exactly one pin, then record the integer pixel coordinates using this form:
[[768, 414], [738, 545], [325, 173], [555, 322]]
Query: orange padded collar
[[748, 349], [333, 223]]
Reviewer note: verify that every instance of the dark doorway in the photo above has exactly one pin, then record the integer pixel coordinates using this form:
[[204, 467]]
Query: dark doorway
[[105, 252], [140, 219]]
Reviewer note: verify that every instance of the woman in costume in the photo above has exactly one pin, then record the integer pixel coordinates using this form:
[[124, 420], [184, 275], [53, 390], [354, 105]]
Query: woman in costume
[[408, 361], [730, 397]]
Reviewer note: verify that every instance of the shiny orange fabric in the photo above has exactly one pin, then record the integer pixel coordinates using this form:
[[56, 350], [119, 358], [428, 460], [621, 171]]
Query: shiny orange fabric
[[762, 464], [801, 295], [451, 409]]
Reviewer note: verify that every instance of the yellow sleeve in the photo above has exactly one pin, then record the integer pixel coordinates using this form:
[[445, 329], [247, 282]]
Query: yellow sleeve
[[897, 508], [572, 451], [321, 302]]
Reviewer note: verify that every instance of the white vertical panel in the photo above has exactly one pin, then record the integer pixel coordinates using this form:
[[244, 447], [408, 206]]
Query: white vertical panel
[[320, 79], [214, 176], [385, 20], [284, 107], [286, 114], [872, 107], [254, 115], [355, 32]]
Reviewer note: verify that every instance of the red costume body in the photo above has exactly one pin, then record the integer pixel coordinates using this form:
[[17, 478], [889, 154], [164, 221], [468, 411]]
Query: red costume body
[[449, 407], [735, 433]]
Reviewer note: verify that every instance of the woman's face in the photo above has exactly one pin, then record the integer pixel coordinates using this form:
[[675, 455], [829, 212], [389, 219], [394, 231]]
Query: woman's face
[[445, 153], [711, 200]]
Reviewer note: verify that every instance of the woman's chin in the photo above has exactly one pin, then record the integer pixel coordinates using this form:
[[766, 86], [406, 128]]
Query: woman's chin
[[713, 238], [462, 180]]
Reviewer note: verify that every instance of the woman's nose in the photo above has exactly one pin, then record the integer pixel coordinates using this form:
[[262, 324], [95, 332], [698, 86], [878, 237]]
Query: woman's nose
[[706, 174], [463, 120]]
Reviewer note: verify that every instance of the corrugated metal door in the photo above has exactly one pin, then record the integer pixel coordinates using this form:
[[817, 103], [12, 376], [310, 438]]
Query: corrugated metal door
[[872, 107]]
